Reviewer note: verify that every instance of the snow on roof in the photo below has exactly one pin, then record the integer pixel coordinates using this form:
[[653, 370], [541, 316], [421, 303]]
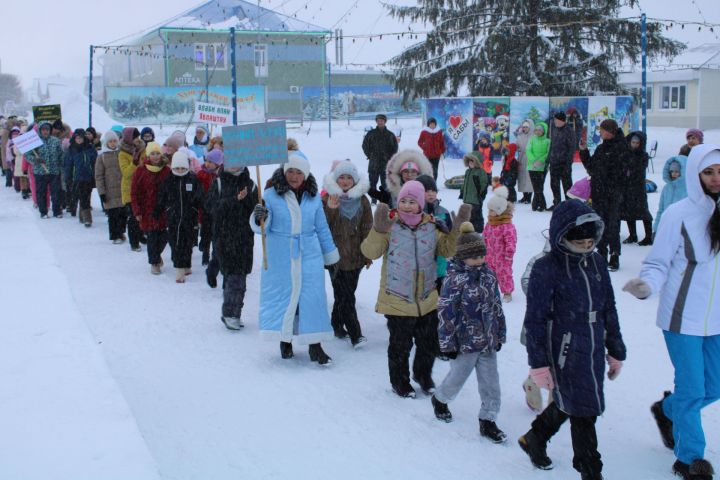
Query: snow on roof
[[223, 14], [705, 56]]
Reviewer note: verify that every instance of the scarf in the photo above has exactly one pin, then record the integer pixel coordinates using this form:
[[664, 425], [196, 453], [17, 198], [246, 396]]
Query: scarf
[[411, 219], [154, 168], [500, 219], [349, 207]]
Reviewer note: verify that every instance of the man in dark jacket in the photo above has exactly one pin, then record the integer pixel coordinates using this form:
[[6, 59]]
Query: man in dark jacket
[[605, 168], [560, 157], [379, 145]]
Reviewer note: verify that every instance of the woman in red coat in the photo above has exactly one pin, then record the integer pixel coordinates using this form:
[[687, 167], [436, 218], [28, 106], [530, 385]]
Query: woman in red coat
[[146, 183], [432, 143]]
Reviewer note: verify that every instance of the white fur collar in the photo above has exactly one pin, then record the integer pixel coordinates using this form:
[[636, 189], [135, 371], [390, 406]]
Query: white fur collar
[[360, 188], [431, 130]]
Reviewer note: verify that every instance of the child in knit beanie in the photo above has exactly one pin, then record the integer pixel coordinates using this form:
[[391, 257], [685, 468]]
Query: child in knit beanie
[[207, 175], [470, 302]]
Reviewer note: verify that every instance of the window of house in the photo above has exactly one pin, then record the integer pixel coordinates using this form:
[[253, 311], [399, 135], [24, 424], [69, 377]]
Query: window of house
[[673, 97], [261, 66], [636, 91], [199, 56], [211, 53]]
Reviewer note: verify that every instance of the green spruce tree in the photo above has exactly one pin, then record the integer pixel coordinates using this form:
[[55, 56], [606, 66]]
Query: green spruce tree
[[522, 47]]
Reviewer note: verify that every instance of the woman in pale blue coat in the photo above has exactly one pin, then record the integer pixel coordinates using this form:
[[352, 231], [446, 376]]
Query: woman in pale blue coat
[[293, 304]]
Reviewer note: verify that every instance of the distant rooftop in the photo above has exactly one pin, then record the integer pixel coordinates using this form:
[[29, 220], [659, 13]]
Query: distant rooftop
[[706, 55], [224, 14]]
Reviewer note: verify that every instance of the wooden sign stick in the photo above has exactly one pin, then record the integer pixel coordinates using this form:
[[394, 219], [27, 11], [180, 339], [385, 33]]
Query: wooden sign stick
[[262, 222]]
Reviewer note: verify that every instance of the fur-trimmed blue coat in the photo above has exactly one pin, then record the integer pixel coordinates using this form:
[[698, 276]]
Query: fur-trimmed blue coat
[[571, 318], [299, 245]]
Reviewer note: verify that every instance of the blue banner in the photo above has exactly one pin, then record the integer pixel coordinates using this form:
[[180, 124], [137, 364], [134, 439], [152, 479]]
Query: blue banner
[[255, 144]]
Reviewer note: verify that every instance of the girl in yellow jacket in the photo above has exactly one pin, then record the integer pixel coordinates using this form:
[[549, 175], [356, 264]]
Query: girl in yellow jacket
[[409, 241]]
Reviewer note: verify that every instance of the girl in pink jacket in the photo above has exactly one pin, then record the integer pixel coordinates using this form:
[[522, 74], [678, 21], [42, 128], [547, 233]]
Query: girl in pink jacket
[[501, 240]]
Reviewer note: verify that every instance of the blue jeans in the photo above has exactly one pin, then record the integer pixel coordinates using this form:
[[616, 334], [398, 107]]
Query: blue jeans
[[697, 385]]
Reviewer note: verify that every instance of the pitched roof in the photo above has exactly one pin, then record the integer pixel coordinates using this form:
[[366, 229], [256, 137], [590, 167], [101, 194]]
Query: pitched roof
[[223, 14], [706, 55]]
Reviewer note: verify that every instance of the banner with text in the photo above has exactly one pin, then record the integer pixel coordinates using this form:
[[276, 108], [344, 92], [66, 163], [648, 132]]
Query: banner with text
[[48, 113], [155, 105], [255, 144]]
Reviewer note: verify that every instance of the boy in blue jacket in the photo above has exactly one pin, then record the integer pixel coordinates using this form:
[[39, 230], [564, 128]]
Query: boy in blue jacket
[[471, 331]]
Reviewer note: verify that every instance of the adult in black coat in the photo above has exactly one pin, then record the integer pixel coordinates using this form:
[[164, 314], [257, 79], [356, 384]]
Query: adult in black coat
[[379, 145], [231, 199], [560, 156], [605, 167], [181, 196], [571, 322], [634, 194]]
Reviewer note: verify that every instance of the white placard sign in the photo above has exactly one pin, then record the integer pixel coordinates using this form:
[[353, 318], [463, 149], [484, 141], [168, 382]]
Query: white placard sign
[[28, 141], [212, 113]]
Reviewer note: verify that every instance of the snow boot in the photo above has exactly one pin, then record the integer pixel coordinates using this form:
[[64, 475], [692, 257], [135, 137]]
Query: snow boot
[[645, 242], [442, 412], [358, 342], [317, 354], [698, 470], [536, 450], [86, 217], [664, 424], [533, 395], [286, 350], [404, 390], [630, 239], [591, 476], [490, 430], [340, 333], [426, 384], [179, 275], [232, 323], [154, 268], [205, 257], [614, 262], [210, 278]]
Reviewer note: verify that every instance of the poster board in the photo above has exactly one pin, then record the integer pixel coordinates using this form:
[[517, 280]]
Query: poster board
[[48, 113], [255, 144]]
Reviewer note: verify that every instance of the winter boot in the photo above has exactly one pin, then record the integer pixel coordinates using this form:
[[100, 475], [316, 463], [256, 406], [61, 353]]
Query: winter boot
[[232, 323], [536, 450], [286, 350], [442, 412], [206, 257], [404, 390], [507, 298], [317, 354], [154, 268], [87, 217], [664, 424], [179, 275], [647, 241], [614, 262], [698, 470], [489, 430], [591, 476], [533, 395], [210, 278], [426, 384], [358, 342], [340, 333], [630, 239]]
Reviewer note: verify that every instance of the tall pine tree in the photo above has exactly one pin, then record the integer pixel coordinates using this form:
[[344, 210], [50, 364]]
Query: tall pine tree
[[522, 47]]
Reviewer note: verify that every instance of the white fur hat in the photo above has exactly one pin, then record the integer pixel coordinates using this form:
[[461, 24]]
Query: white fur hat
[[498, 202], [345, 167], [180, 160], [298, 162]]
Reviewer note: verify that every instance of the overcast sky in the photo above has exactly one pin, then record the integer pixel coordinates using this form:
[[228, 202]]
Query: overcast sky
[[48, 37]]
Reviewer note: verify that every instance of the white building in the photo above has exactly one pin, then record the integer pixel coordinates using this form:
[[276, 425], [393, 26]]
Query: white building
[[683, 93]]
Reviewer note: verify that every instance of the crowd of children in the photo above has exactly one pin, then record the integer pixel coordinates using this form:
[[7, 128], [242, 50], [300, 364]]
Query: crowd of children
[[461, 266]]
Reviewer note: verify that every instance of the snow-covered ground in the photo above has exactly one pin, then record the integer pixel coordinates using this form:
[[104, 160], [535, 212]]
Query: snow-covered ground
[[110, 372]]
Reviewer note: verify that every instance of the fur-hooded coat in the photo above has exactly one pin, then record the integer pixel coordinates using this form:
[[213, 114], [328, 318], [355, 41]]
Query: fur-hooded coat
[[393, 178]]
